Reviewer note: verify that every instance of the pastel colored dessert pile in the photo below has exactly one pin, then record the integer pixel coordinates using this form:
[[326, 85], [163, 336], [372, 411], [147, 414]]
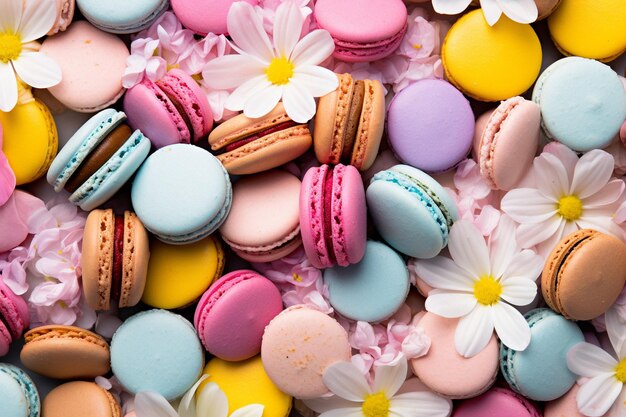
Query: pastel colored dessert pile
[[312, 208]]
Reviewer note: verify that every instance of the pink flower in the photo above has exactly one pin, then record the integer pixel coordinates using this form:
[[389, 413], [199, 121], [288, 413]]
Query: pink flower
[[419, 41], [143, 62], [7, 176]]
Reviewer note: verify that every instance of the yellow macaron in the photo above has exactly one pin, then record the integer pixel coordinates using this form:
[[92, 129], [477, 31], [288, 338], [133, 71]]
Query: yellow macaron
[[30, 138], [491, 63], [246, 383], [590, 28], [179, 274]]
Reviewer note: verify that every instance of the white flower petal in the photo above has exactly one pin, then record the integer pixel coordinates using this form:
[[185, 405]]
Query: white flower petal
[[473, 332], [252, 410], [593, 171], [587, 360], [468, 248], [8, 87], [287, 28], [343, 412], [263, 101], [529, 235], [521, 11], [597, 395], [527, 205], [502, 246], [607, 195], [491, 10], [313, 49], [37, 20], [324, 404], [389, 378], [212, 401], [238, 98], [511, 327], [219, 74], [187, 406], [10, 16], [616, 330], [519, 291], [346, 381], [450, 6], [299, 104], [552, 176], [419, 404], [450, 304], [619, 406], [604, 224], [526, 264], [37, 69], [318, 81], [441, 272], [245, 27], [151, 404]]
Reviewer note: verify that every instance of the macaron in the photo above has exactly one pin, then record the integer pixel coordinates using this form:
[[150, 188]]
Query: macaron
[[357, 291], [506, 141], [65, 352], [181, 193], [584, 274], [298, 345], [333, 216], [497, 401], [248, 146], [264, 222], [158, 351], [232, 314], [491, 63], [440, 368], [205, 16], [98, 159], [18, 393], [91, 61], [171, 110], [546, 7], [114, 260], [178, 275], [14, 317], [65, 14], [540, 372], [245, 383], [411, 211], [430, 125], [589, 29], [349, 123], [120, 16], [80, 399], [566, 405], [583, 103], [363, 31], [30, 140]]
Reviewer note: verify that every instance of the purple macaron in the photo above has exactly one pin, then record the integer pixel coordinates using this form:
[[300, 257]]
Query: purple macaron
[[430, 125]]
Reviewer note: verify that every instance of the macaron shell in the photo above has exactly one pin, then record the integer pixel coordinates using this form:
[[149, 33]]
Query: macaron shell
[[97, 258], [204, 16], [497, 402], [26, 402], [120, 16], [15, 311], [12, 398], [350, 231], [5, 340], [80, 399], [371, 126], [135, 260], [546, 7], [311, 217]]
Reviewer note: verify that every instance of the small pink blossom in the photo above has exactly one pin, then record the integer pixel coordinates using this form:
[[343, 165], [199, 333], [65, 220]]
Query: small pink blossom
[[267, 11], [143, 62], [7, 176]]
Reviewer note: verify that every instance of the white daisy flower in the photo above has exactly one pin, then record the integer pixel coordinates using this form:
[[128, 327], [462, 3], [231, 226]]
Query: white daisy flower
[[264, 73], [479, 283], [521, 11]]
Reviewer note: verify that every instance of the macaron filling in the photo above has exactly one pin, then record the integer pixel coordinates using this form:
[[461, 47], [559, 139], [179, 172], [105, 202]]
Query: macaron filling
[[118, 258], [264, 250], [327, 215], [180, 109], [5, 322], [352, 123], [560, 267], [260, 134]]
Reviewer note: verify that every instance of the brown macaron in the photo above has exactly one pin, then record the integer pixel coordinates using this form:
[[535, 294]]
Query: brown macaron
[[584, 274], [546, 7], [249, 145], [80, 399], [65, 352], [349, 123], [114, 261]]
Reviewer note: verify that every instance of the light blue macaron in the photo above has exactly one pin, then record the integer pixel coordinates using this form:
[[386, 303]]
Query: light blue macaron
[[158, 351], [122, 16], [18, 394], [113, 174], [583, 103], [411, 211], [182, 193], [371, 290], [540, 372]]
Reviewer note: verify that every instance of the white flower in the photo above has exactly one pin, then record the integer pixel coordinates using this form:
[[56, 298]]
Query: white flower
[[355, 398], [263, 73], [211, 402], [570, 194], [521, 11], [476, 283], [602, 388], [20, 26]]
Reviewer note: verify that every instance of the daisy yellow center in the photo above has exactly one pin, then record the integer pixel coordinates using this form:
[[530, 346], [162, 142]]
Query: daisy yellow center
[[296, 277], [570, 207], [280, 71], [10, 46], [487, 290], [376, 405], [620, 371]]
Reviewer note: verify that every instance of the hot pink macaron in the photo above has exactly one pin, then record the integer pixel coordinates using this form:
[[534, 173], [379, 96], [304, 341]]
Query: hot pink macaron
[[232, 314], [13, 317], [204, 16], [333, 217], [172, 110], [363, 30], [497, 402]]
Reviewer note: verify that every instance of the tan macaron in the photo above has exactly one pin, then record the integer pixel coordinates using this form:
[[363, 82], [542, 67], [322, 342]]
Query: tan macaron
[[114, 259], [584, 274], [546, 7], [80, 399], [65, 352]]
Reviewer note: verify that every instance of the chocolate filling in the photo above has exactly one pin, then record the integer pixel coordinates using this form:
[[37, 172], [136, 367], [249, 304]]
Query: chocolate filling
[[181, 110], [257, 135], [118, 258], [327, 214], [98, 157], [354, 117]]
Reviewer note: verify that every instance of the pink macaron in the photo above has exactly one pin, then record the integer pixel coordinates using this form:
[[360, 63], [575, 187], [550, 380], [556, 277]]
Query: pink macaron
[[171, 110], [363, 30], [204, 16], [13, 317], [333, 218], [232, 314], [497, 402]]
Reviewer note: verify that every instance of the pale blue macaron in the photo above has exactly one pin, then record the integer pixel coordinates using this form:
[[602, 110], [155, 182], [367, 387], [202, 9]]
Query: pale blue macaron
[[122, 16], [158, 351], [371, 290], [18, 394], [411, 211], [583, 103], [182, 193], [540, 371]]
